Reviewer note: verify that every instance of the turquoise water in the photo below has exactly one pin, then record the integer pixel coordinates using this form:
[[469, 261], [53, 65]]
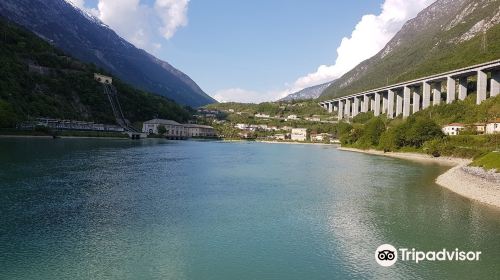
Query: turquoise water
[[154, 209]]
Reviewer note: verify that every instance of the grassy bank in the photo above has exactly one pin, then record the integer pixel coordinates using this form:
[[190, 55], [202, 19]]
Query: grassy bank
[[489, 161]]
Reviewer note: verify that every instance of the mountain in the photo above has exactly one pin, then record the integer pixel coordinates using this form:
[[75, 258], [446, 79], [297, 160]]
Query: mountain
[[307, 93], [39, 80], [86, 38], [448, 34]]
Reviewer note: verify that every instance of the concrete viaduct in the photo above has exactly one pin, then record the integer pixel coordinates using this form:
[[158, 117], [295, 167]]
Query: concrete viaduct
[[409, 97]]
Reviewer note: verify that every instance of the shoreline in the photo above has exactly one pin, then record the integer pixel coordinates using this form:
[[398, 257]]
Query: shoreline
[[295, 143], [449, 161], [455, 179]]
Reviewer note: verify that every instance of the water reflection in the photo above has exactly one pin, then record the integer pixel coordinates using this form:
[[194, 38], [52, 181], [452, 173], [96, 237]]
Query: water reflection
[[209, 210]]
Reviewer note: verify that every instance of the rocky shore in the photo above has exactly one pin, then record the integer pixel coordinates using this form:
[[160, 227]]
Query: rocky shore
[[474, 183]]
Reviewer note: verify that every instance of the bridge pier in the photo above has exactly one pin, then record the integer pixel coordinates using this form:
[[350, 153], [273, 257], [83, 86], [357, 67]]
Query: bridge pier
[[406, 101], [341, 110], [347, 112], [495, 83], [450, 89], [377, 104], [436, 93], [482, 80], [416, 101], [462, 88], [426, 95], [399, 104], [355, 106], [390, 103], [384, 103], [366, 103]]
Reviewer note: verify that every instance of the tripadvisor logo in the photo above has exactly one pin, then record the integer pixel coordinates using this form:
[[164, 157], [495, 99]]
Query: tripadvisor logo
[[387, 255]]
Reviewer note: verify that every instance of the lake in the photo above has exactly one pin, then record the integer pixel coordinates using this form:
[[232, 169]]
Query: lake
[[158, 209]]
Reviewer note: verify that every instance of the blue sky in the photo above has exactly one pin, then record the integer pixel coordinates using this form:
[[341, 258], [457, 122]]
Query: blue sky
[[261, 45], [257, 50]]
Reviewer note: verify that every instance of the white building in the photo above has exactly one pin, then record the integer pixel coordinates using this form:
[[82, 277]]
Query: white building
[[292, 117], [453, 128], [480, 128], [103, 79], [493, 127], [313, 119], [241, 126], [259, 115], [197, 130], [299, 134], [173, 128], [321, 137]]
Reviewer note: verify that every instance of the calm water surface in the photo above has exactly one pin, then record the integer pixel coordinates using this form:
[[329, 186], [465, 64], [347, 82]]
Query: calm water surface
[[154, 209]]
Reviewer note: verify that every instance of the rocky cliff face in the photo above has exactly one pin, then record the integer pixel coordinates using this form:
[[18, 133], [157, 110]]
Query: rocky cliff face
[[86, 38], [448, 34], [307, 93]]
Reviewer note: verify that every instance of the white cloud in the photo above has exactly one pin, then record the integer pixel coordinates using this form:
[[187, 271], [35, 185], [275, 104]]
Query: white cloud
[[369, 36], [141, 24], [173, 14]]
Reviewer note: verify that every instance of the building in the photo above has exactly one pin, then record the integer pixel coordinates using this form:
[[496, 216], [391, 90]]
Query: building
[[197, 130], [313, 119], [175, 130], [259, 115], [493, 127], [279, 136], [246, 135], [241, 126], [480, 128], [453, 128], [103, 79], [58, 124], [299, 134], [321, 137], [292, 117]]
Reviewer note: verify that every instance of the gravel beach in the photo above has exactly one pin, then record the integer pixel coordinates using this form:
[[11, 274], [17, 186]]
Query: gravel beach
[[472, 182]]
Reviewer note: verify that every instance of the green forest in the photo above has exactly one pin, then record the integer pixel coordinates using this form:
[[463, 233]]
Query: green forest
[[59, 86], [421, 132]]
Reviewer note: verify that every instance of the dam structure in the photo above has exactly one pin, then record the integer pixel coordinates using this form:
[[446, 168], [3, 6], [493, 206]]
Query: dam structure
[[409, 97]]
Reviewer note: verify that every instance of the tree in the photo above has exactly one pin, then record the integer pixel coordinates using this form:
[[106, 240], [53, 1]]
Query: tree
[[162, 130], [388, 140], [372, 132], [422, 129], [7, 115]]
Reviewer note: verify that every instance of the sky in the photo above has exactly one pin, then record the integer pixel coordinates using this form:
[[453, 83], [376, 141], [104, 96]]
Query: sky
[[257, 50]]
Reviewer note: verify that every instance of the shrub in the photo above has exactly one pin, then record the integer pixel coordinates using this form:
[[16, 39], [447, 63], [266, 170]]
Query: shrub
[[372, 132], [162, 130]]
